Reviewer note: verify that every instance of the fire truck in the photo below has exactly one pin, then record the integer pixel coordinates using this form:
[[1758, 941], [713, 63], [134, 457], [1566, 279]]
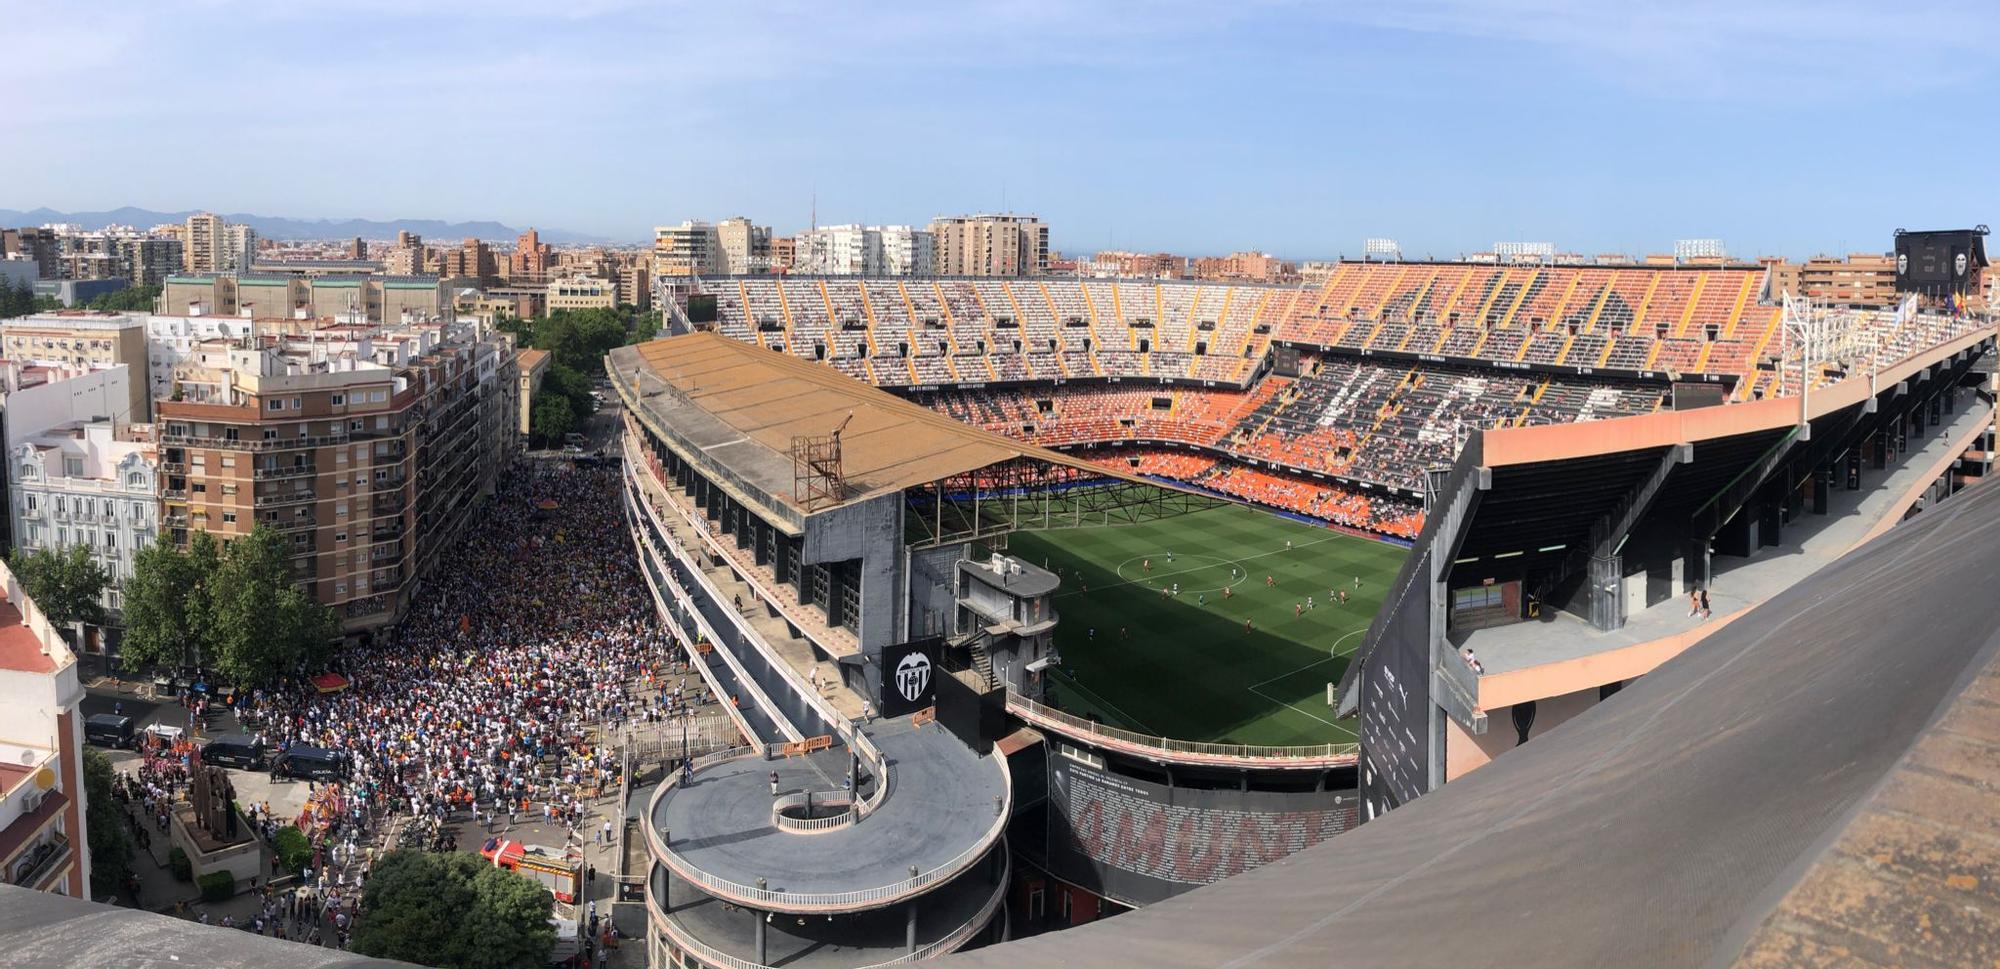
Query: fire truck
[[561, 874]]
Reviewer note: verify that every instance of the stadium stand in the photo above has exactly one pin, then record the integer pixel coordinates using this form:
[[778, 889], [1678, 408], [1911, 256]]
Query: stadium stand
[[1395, 361]]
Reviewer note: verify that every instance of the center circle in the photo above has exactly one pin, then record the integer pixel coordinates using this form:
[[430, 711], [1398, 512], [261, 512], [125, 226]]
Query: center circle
[[1182, 569]]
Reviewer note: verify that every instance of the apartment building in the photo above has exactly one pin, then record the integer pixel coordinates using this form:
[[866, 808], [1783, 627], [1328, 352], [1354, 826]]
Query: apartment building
[[43, 801], [277, 296], [1120, 264], [582, 293], [80, 340], [41, 246], [991, 245], [864, 250], [1861, 279], [635, 287], [531, 259], [784, 253], [366, 446], [744, 247], [1255, 267], [472, 259], [212, 244], [691, 248], [88, 483]]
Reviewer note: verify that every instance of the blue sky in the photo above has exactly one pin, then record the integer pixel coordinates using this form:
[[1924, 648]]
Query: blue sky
[[1299, 128]]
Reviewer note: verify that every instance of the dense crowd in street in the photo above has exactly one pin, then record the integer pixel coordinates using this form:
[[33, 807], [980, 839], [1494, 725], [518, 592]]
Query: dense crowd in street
[[532, 632]]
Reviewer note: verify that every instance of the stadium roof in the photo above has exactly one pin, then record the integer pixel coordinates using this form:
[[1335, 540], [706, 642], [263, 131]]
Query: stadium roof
[[740, 406], [1814, 784], [44, 929]]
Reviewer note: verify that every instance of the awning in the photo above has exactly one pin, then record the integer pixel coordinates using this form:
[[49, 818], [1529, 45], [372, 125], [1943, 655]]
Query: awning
[[330, 683]]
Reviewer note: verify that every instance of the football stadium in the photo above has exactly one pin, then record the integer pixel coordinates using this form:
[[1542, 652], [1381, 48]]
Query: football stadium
[[1055, 598]]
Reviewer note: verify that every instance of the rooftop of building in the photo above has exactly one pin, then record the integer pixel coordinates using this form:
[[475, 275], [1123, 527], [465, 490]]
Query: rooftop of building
[[46, 929], [741, 406], [20, 649]]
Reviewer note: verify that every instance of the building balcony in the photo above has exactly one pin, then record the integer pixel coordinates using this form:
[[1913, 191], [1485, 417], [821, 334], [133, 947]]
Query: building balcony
[[173, 467], [280, 443], [174, 494], [293, 471], [286, 498], [36, 867]]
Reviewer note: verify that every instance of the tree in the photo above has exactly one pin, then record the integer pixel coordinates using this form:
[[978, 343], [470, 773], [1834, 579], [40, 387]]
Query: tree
[[167, 603], [452, 910], [67, 585], [551, 418], [110, 851], [129, 299], [263, 624]]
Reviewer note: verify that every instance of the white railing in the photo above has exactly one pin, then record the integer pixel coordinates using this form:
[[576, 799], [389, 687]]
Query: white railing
[[816, 901], [949, 943], [700, 620], [846, 816], [1170, 749], [848, 733]]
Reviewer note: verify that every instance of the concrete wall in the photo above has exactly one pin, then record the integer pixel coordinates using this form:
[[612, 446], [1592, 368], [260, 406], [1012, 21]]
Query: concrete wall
[[871, 531], [1465, 752], [99, 393], [932, 604]]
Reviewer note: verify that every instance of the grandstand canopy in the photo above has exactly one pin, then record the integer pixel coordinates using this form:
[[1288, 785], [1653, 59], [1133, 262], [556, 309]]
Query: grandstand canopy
[[736, 408]]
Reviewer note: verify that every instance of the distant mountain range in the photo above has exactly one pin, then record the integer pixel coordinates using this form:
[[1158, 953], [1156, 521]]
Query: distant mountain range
[[284, 227]]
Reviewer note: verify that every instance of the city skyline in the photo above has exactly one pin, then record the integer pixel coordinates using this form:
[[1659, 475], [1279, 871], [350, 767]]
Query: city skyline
[[1447, 125]]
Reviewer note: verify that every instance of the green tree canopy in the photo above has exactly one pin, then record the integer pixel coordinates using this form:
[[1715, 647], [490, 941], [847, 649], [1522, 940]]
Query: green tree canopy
[[264, 625], [129, 299], [454, 910], [167, 603], [110, 851], [551, 418], [236, 609], [68, 585]]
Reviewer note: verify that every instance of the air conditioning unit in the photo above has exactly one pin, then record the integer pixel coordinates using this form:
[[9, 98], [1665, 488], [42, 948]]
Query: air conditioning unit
[[32, 802]]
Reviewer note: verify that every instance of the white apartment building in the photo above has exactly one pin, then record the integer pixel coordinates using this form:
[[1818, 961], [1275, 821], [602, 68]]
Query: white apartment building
[[88, 483], [174, 340], [864, 250]]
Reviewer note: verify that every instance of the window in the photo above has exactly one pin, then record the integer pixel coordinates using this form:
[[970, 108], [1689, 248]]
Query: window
[[339, 399], [340, 536], [270, 434], [229, 518], [200, 489], [73, 466], [228, 462], [340, 588], [298, 404], [378, 396], [228, 490], [274, 405]]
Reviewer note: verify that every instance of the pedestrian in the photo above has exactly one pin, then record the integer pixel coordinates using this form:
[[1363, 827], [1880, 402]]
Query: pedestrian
[[1704, 604], [774, 783], [1694, 600]]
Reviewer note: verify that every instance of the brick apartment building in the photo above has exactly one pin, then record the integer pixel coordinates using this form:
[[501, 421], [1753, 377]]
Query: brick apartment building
[[366, 446]]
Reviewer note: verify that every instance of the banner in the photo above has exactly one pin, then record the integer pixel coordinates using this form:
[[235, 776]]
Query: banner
[[909, 676]]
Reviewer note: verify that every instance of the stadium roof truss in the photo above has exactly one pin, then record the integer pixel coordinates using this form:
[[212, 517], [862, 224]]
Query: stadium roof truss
[[1030, 493]]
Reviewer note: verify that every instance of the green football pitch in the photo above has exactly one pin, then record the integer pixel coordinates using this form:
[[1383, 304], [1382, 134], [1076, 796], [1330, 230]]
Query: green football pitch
[[1183, 666]]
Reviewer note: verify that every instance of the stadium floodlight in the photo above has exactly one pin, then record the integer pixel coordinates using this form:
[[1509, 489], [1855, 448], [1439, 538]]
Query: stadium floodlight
[[1386, 248]]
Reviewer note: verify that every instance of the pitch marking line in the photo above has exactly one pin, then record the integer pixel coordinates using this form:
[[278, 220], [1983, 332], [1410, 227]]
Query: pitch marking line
[[1258, 688], [1237, 561]]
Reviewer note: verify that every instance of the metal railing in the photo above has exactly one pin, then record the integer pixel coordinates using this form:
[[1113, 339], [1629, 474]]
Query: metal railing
[[1169, 749], [845, 817], [294, 471], [964, 933], [815, 901], [57, 854], [950, 942]]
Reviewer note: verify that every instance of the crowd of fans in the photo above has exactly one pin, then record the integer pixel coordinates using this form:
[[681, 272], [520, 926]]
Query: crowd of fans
[[483, 701]]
